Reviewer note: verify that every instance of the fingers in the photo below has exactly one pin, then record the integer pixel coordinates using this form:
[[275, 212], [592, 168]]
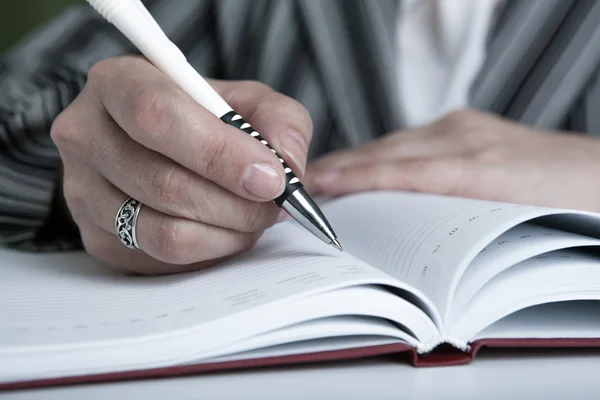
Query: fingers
[[405, 145], [107, 249], [156, 113], [166, 241], [387, 149], [133, 133], [326, 169], [167, 187], [435, 175], [450, 137], [284, 122]]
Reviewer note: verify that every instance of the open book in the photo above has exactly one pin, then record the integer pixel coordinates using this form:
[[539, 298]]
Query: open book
[[419, 271]]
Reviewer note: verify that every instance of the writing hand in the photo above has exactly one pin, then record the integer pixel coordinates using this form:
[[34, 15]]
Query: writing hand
[[207, 188], [470, 154]]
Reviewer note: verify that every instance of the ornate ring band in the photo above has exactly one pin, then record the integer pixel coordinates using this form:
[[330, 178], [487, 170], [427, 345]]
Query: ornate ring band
[[125, 223]]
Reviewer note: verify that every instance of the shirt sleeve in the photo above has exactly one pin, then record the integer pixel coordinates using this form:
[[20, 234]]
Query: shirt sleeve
[[39, 78]]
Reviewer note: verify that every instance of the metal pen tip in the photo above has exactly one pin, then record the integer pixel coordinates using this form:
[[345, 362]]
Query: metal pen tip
[[337, 245]]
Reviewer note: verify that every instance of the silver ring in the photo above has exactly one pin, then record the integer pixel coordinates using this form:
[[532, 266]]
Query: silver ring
[[125, 223]]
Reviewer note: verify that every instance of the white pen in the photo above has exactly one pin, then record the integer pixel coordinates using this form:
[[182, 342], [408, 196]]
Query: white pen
[[134, 21]]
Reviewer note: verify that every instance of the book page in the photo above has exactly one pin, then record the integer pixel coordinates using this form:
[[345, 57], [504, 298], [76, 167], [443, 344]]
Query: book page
[[48, 299], [309, 346], [424, 240], [512, 247], [565, 319], [557, 276]]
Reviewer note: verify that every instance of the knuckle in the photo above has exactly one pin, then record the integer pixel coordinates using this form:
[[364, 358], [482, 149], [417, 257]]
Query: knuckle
[[239, 90], [111, 67], [308, 131], [255, 86], [459, 117], [469, 134], [74, 195], [64, 131], [168, 187], [93, 247], [168, 239], [249, 241], [217, 157], [101, 70], [93, 243], [281, 104], [490, 155], [152, 112], [466, 178], [250, 220], [460, 124], [487, 136], [457, 122]]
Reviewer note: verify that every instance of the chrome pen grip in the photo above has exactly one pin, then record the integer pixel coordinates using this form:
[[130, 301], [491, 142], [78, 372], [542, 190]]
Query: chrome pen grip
[[292, 182]]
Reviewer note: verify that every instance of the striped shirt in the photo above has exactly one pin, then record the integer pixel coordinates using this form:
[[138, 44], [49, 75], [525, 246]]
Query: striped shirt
[[541, 69]]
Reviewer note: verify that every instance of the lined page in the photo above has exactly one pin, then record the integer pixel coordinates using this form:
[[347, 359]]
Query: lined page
[[46, 299], [424, 240]]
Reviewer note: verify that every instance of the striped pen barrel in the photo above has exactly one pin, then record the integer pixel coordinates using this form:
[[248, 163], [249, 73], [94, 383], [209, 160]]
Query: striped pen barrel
[[294, 199]]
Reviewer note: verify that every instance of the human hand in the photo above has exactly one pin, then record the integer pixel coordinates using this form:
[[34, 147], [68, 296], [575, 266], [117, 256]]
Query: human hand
[[207, 188], [470, 154]]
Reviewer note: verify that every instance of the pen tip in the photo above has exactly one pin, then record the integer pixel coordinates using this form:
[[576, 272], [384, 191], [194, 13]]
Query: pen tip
[[337, 245]]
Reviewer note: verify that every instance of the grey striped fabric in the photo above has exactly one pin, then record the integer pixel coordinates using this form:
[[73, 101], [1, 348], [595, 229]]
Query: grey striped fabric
[[337, 57]]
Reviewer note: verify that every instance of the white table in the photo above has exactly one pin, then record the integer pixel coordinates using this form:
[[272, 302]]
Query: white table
[[555, 375]]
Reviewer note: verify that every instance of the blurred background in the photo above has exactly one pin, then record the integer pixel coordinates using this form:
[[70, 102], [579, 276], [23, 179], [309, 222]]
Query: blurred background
[[17, 17]]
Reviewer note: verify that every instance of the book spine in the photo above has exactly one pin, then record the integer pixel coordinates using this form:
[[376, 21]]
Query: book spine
[[430, 345]]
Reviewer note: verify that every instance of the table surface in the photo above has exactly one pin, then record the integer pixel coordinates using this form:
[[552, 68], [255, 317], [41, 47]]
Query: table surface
[[494, 375]]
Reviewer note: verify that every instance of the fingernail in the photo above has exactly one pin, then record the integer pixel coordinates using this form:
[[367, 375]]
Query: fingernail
[[294, 146], [283, 216], [263, 180]]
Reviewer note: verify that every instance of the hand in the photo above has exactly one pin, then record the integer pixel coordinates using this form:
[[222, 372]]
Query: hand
[[470, 154], [207, 188]]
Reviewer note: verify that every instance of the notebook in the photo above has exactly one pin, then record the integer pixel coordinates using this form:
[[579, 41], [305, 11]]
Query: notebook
[[429, 278]]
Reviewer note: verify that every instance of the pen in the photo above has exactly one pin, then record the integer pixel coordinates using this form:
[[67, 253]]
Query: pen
[[134, 21]]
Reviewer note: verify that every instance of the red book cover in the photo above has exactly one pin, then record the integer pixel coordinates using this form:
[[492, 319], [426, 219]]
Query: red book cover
[[442, 356]]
